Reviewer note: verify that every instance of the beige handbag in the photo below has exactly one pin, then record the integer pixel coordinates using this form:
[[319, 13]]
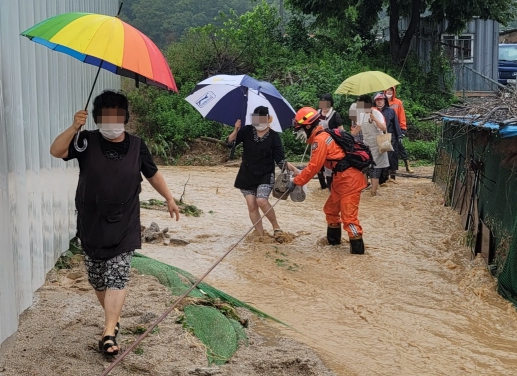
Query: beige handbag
[[384, 142]]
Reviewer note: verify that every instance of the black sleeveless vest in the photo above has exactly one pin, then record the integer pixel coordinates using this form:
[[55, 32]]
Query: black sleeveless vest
[[107, 201]]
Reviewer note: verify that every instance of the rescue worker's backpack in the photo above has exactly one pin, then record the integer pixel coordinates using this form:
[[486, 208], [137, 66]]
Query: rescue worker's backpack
[[357, 154]]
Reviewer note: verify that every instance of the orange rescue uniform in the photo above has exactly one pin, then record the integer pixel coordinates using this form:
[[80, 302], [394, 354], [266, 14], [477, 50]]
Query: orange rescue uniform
[[398, 107], [342, 206]]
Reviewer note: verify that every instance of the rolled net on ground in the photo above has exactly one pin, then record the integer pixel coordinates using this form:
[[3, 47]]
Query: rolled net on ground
[[221, 335], [213, 323]]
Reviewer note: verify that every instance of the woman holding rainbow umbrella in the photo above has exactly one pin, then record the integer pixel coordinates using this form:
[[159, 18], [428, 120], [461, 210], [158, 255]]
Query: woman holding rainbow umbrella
[[111, 160]]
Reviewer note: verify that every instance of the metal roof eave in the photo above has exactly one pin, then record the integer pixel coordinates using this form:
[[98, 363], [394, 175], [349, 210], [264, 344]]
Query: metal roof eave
[[505, 131]]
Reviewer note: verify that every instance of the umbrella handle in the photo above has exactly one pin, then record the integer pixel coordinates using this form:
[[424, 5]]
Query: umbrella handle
[[120, 8], [243, 120], [76, 144], [76, 137], [93, 86], [232, 152]]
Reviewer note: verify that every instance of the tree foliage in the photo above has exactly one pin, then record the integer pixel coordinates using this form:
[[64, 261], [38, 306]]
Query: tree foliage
[[165, 21], [456, 13], [459, 13], [300, 63]]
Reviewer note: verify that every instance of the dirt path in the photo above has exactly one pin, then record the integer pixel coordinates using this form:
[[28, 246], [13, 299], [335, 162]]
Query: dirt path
[[59, 335], [415, 304]]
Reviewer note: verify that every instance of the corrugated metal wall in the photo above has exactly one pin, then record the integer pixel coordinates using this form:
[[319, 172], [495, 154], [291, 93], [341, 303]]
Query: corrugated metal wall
[[486, 51], [486, 45], [40, 90]]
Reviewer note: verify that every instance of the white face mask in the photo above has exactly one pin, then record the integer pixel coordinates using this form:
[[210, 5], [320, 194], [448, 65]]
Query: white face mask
[[261, 126], [111, 130], [389, 96], [301, 136]]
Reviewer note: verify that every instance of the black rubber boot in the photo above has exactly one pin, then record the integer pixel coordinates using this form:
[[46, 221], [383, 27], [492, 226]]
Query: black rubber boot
[[321, 178], [357, 246], [329, 182], [334, 234]]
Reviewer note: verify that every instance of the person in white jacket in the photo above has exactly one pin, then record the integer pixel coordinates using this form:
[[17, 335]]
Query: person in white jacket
[[370, 122]]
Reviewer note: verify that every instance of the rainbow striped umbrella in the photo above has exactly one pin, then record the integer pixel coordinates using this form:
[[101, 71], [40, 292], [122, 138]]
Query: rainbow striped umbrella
[[106, 42]]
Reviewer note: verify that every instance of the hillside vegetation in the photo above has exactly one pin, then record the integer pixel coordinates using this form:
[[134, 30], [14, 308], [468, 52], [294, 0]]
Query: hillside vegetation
[[302, 58]]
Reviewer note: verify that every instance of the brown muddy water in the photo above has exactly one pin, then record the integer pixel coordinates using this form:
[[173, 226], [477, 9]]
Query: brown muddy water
[[414, 304]]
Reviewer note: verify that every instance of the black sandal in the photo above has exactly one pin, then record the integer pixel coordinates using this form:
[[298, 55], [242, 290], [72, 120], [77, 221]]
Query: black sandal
[[117, 328], [105, 344], [278, 235]]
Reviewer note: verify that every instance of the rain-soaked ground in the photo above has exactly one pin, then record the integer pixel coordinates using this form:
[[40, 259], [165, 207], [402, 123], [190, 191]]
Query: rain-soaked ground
[[414, 304]]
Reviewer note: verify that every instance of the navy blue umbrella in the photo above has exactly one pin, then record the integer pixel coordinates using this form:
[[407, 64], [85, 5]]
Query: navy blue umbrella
[[226, 98]]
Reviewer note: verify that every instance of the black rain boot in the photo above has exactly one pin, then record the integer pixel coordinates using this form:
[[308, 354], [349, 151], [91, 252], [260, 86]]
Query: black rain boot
[[329, 182], [334, 234], [357, 246], [321, 178]]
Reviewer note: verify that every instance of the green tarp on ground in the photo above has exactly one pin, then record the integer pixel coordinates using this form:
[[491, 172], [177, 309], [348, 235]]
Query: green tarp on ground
[[218, 329]]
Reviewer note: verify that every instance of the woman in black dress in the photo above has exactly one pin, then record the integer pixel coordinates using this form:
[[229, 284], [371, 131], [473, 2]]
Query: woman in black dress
[[262, 148]]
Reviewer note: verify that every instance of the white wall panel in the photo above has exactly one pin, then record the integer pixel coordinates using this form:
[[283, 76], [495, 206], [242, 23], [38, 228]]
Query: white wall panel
[[40, 90]]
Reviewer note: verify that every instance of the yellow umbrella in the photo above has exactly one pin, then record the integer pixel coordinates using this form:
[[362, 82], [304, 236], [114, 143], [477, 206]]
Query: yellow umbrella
[[366, 82]]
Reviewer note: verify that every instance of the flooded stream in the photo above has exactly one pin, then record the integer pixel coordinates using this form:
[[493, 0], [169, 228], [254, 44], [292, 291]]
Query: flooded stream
[[414, 304]]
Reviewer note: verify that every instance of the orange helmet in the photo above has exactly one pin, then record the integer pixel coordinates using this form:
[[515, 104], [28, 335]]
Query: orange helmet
[[305, 116]]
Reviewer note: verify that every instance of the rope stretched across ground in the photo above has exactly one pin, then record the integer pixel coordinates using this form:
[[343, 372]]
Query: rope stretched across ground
[[187, 293]]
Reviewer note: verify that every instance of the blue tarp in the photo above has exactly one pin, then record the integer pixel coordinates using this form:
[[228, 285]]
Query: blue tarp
[[505, 132]]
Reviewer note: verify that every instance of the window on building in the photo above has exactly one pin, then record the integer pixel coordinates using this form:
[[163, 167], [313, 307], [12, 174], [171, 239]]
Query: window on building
[[459, 47]]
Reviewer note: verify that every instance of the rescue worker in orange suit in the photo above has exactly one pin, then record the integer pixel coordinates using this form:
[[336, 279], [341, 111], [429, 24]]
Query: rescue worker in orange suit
[[342, 206], [398, 107]]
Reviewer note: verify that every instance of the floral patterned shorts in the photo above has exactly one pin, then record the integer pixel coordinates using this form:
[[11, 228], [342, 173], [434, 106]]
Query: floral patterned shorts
[[110, 274], [262, 191]]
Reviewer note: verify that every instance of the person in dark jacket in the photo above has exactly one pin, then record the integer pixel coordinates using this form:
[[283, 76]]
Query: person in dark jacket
[[393, 127], [398, 107], [329, 117], [107, 201], [262, 148]]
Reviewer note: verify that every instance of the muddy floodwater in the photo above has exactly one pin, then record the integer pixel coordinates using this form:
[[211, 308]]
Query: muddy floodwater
[[415, 304]]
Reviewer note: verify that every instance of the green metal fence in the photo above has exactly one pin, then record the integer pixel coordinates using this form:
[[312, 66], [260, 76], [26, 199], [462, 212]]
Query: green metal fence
[[477, 169]]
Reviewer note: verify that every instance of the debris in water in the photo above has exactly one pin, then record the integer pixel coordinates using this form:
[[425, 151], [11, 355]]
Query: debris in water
[[154, 235]]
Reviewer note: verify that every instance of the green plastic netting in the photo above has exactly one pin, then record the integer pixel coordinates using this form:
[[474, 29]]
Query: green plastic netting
[[496, 190], [508, 277], [178, 281], [215, 330], [218, 329]]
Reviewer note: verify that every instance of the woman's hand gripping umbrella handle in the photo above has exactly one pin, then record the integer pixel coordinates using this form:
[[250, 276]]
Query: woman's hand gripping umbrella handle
[[76, 137]]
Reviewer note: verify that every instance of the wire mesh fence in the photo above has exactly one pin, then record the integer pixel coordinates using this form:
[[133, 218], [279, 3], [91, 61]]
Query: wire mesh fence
[[477, 171]]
